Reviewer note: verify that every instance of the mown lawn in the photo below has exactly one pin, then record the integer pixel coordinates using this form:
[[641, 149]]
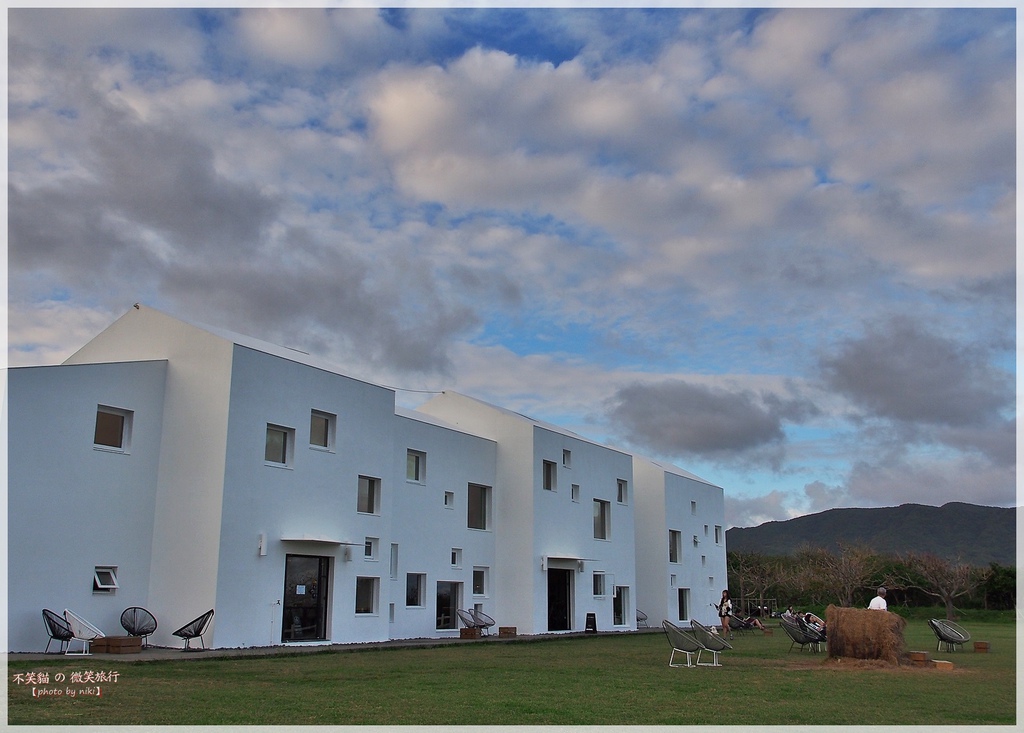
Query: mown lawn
[[598, 680]]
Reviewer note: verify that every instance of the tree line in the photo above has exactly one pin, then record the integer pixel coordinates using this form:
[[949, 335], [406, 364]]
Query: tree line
[[849, 577]]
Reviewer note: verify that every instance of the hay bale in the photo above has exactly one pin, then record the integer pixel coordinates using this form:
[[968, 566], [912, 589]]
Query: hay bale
[[865, 634]]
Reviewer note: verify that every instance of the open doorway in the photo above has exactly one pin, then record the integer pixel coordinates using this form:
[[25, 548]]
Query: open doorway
[[559, 599], [305, 598]]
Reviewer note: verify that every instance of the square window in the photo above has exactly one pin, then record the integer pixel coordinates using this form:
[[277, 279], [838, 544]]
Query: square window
[[567, 458], [321, 430], [279, 447], [370, 548], [477, 506], [104, 579], [599, 584], [369, 495], [415, 589], [113, 429], [675, 545], [622, 491], [456, 557], [366, 595], [416, 466], [479, 581], [550, 476], [449, 499], [602, 519], [576, 492]]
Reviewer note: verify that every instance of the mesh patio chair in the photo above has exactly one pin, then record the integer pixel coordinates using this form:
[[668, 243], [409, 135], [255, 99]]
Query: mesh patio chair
[[741, 625], [81, 630], [137, 621], [467, 619], [57, 629], [798, 635], [194, 630], [948, 634], [712, 642], [641, 619], [485, 622], [682, 643]]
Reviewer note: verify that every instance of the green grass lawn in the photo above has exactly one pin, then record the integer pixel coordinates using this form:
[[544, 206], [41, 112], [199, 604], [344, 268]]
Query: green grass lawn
[[598, 680]]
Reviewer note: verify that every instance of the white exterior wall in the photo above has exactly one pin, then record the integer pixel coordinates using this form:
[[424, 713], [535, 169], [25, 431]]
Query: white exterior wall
[[664, 499], [315, 497], [73, 507], [183, 576], [430, 530]]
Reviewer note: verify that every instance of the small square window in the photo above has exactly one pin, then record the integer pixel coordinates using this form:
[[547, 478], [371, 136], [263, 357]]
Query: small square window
[[370, 548], [280, 445], [576, 492], [321, 430], [449, 499], [366, 595], [104, 579], [416, 466], [113, 429], [369, 495], [456, 557]]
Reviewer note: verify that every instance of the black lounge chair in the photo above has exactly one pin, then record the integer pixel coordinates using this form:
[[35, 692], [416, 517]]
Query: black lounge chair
[[484, 621], [948, 633], [137, 621], [738, 624], [683, 643], [799, 636], [712, 642], [57, 628], [194, 629]]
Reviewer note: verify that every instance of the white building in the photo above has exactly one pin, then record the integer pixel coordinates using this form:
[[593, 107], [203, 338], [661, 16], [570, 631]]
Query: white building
[[182, 468]]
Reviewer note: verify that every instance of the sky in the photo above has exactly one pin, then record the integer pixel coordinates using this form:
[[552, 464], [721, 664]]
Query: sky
[[774, 247]]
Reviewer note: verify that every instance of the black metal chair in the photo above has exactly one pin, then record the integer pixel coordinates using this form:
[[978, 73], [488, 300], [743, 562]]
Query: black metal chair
[[468, 619], [641, 619], [484, 621], [712, 642], [57, 628], [948, 633], [682, 643], [798, 635], [194, 630], [137, 621]]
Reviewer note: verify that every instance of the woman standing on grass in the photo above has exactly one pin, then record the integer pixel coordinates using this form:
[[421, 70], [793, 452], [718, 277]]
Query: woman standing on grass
[[724, 609]]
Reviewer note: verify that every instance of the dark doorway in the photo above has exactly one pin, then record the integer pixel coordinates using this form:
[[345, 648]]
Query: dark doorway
[[305, 598], [559, 596]]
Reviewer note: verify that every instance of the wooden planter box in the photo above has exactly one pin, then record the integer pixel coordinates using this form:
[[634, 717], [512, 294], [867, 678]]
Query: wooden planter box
[[920, 659], [116, 645], [469, 633], [982, 647], [506, 631]]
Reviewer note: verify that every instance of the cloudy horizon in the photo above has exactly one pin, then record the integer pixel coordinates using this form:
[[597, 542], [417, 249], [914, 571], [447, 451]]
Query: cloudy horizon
[[774, 247]]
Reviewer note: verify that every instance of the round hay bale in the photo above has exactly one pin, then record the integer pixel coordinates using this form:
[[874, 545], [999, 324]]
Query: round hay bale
[[860, 633]]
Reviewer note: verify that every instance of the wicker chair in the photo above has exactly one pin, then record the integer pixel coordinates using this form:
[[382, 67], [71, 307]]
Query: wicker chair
[[57, 628], [137, 621], [948, 633], [194, 629]]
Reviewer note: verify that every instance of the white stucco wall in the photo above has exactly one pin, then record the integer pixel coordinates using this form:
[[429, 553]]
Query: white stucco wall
[[72, 506], [315, 496]]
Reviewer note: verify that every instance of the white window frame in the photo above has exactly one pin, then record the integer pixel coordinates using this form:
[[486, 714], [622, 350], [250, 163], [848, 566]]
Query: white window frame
[[331, 421], [104, 579], [127, 418], [373, 485], [484, 572], [415, 466], [566, 458], [449, 500], [622, 490], [575, 491], [603, 507], [549, 475], [371, 549], [718, 534], [375, 599], [600, 586], [456, 557], [289, 446], [421, 588], [675, 546], [683, 603], [485, 506]]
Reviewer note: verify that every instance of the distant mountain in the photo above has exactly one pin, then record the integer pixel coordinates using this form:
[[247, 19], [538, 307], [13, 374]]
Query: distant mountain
[[976, 534]]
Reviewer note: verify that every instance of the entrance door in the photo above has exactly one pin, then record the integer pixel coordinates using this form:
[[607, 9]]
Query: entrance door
[[305, 598], [559, 599]]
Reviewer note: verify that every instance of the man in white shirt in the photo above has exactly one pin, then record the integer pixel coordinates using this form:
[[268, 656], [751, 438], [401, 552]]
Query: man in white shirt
[[878, 602]]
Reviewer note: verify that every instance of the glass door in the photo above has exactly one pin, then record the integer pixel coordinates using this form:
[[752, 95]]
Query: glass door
[[305, 598]]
